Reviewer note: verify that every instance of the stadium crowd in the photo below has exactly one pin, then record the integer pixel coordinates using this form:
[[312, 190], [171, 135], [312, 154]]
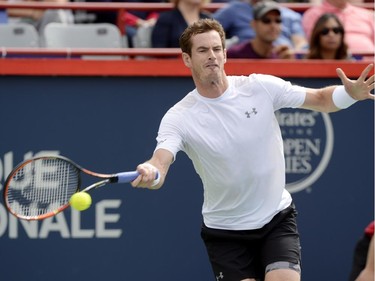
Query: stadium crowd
[[327, 29]]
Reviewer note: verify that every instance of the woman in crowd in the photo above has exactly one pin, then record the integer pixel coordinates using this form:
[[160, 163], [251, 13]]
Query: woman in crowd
[[327, 39], [171, 24]]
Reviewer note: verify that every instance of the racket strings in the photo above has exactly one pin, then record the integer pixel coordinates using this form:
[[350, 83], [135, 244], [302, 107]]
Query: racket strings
[[42, 186]]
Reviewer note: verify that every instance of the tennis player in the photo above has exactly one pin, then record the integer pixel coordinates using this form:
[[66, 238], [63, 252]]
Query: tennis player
[[227, 127]]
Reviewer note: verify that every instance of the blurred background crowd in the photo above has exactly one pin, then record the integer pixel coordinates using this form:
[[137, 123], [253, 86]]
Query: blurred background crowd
[[327, 29]]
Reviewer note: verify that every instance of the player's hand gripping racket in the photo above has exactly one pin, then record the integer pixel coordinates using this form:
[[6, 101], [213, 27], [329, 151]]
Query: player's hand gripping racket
[[41, 187]]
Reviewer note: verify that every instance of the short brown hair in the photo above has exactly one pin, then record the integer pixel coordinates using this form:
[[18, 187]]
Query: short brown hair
[[199, 27]]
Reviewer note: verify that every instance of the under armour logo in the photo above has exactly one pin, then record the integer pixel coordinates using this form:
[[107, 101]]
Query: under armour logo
[[161, 141], [252, 111], [221, 276]]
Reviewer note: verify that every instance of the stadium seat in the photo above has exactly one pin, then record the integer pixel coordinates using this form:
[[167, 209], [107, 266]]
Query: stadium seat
[[18, 35], [86, 35], [142, 38]]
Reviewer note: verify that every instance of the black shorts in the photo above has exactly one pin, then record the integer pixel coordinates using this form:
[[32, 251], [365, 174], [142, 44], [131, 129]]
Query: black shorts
[[241, 254]]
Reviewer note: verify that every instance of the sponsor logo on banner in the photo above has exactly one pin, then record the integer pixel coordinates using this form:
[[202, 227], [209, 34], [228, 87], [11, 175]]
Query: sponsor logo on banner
[[308, 144]]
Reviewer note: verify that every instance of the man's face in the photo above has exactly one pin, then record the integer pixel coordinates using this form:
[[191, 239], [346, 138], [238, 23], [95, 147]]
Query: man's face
[[268, 28], [207, 55]]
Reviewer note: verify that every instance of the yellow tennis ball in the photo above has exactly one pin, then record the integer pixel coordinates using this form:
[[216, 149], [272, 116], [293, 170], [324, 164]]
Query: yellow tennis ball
[[80, 201]]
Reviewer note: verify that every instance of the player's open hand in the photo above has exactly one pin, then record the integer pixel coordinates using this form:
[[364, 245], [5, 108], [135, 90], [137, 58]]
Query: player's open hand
[[361, 88]]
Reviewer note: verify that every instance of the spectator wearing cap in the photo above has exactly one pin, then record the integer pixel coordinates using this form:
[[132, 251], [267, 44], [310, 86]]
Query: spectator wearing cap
[[267, 26], [236, 16]]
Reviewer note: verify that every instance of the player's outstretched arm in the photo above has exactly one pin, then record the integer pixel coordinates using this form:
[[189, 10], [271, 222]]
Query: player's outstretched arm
[[334, 98]]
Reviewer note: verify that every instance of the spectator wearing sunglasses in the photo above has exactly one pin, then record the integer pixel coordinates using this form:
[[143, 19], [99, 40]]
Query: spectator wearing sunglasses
[[267, 26], [328, 39], [236, 16], [358, 23]]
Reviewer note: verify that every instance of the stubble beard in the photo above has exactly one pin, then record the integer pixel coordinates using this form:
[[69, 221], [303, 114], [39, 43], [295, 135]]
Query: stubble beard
[[212, 79]]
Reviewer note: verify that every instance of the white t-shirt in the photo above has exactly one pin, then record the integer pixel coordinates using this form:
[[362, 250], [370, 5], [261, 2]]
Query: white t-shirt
[[236, 147]]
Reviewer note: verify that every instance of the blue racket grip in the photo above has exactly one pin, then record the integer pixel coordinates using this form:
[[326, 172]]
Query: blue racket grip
[[126, 177]]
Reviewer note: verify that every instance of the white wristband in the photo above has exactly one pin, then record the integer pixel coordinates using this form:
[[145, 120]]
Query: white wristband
[[157, 180], [341, 98]]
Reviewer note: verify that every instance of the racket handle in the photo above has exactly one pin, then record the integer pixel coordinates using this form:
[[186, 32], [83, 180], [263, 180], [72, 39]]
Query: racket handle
[[125, 177]]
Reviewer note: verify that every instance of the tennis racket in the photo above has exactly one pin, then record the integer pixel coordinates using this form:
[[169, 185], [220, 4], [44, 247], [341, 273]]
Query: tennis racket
[[41, 187]]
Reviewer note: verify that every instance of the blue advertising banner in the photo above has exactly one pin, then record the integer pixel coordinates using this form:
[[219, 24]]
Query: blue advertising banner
[[109, 124]]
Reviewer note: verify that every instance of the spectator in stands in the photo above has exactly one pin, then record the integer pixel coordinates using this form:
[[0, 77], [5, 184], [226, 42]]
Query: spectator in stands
[[267, 26], [98, 16], [3, 16], [40, 18], [363, 258], [358, 23], [328, 39], [171, 24], [237, 15], [132, 19]]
